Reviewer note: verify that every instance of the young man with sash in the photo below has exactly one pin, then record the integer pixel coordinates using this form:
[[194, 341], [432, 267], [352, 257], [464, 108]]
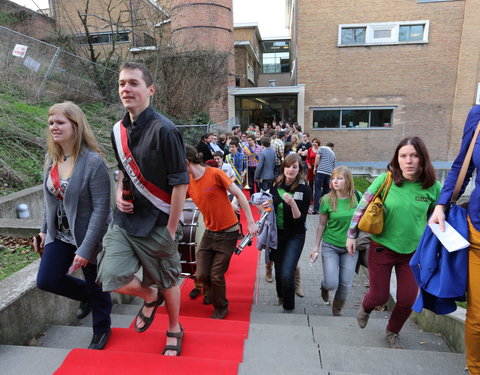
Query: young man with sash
[[252, 151], [151, 155]]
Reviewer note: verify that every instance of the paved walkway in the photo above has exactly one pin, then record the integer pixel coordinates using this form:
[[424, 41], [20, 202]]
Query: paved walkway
[[311, 275]]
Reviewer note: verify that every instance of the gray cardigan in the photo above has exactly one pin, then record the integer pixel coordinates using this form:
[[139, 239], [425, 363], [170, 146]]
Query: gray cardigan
[[86, 203]]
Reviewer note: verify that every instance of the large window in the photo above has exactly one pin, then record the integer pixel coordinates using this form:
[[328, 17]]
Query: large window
[[407, 32], [103, 38], [352, 117], [276, 56]]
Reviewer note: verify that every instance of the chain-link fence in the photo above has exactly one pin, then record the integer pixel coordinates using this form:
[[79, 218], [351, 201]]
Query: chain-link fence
[[40, 70]]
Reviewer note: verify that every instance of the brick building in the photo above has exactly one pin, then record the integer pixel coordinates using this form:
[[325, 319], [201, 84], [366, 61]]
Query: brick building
[[24, 20], [377, 71], [122, 26]]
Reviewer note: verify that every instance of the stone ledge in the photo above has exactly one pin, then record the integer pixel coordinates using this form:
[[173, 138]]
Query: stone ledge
[[26, 311]]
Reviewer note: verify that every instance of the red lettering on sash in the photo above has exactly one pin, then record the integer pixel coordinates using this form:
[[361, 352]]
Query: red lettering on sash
[[152, 188]]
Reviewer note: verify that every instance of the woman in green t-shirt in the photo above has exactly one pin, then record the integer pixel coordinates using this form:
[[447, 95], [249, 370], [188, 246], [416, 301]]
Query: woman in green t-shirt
[[336, 211], [412, 196]]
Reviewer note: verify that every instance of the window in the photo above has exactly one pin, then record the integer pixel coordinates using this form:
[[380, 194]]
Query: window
[[148, 40], [103, 38], [383, 33], [377, 117], [276, 56], [353, 35], [411, 33]]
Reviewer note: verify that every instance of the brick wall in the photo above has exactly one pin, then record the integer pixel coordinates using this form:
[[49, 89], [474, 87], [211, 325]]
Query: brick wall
[[419, 79], [25, 21], [206, 25]]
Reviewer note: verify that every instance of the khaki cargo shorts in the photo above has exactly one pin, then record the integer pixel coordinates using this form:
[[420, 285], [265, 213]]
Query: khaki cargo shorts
[[124, 254]]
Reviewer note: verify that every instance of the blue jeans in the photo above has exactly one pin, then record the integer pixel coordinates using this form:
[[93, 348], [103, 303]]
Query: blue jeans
[[286, 257], [52, 277], [322, 187], [338, 269]]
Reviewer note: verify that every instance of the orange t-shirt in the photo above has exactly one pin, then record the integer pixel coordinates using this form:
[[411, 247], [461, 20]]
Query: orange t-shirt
[[209, 193]]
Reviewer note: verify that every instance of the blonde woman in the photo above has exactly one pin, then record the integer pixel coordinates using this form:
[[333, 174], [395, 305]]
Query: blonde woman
[[76, 210], [336, 211], [295, 142]]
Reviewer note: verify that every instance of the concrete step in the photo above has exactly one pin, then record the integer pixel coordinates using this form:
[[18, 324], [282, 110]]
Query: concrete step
[[16, 360], [279, 318], [323, 310], [351, 323], [118, 320], [267, 368], [277, 346], [66, 337], [383, 361], [124, 309], [376, 338]]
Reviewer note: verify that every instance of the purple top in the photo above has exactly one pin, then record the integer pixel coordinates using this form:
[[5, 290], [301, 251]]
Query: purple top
[[447, 191]]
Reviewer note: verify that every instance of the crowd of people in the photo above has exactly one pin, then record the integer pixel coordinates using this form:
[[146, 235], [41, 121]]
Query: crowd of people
[[157, 172]]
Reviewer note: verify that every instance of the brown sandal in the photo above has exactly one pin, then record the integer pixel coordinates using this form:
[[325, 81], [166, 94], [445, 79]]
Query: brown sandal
[[179, 337], [147, 321]]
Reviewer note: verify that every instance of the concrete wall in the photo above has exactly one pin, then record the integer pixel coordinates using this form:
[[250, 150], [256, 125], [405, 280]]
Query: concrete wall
[[33, 197], [26, 312]]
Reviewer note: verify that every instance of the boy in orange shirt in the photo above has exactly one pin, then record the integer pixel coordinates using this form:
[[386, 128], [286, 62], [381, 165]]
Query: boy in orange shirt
[[208, 190]]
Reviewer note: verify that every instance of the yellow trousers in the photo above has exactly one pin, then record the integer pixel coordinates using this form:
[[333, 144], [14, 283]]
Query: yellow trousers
[[472, 324]]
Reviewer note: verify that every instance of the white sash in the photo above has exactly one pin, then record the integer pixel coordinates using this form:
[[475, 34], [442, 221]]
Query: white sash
[[158, 197]]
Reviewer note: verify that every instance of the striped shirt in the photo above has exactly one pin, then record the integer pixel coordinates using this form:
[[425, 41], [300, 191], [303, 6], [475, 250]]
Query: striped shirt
[[326, 164]]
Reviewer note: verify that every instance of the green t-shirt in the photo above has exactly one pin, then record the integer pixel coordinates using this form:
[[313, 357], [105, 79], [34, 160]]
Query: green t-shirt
[[279, 210], [338, 222], [406, 213]]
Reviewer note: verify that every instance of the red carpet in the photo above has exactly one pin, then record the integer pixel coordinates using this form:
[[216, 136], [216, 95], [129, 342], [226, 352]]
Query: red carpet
[[209, 346]]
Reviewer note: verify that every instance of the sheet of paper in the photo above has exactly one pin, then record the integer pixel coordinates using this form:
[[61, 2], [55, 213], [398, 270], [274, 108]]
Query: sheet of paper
[[451, 239]]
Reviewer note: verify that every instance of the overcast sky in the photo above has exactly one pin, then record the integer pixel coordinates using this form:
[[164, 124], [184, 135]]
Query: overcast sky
[[269, 14]]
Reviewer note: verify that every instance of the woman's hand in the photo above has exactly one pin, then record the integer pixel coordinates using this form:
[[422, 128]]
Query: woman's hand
[[438, 216], [314, 254], [78, 262], [265, 205], [351, 245], [288, 199], [37, 246]]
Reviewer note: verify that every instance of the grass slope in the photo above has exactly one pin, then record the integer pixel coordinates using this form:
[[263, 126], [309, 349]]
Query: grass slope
[[23, 134]]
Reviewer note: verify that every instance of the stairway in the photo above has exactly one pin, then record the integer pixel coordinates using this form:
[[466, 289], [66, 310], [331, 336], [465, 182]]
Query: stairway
[[308, 341], [312, 341]]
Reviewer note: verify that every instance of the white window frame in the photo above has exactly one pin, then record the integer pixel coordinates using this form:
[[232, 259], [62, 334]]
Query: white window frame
[[394, 27], [361, 108]]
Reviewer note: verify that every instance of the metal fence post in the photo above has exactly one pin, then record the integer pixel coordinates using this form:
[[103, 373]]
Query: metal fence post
[[47, 73]]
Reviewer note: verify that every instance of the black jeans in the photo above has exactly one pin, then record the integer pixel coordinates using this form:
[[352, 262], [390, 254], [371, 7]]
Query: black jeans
[[322, 187], [286, 257], [52, 277]]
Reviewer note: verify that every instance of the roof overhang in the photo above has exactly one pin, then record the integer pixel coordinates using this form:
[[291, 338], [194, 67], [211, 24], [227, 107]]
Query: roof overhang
[[276, 90]]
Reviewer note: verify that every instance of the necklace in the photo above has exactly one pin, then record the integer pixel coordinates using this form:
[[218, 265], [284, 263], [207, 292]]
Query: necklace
[[65, 157]]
